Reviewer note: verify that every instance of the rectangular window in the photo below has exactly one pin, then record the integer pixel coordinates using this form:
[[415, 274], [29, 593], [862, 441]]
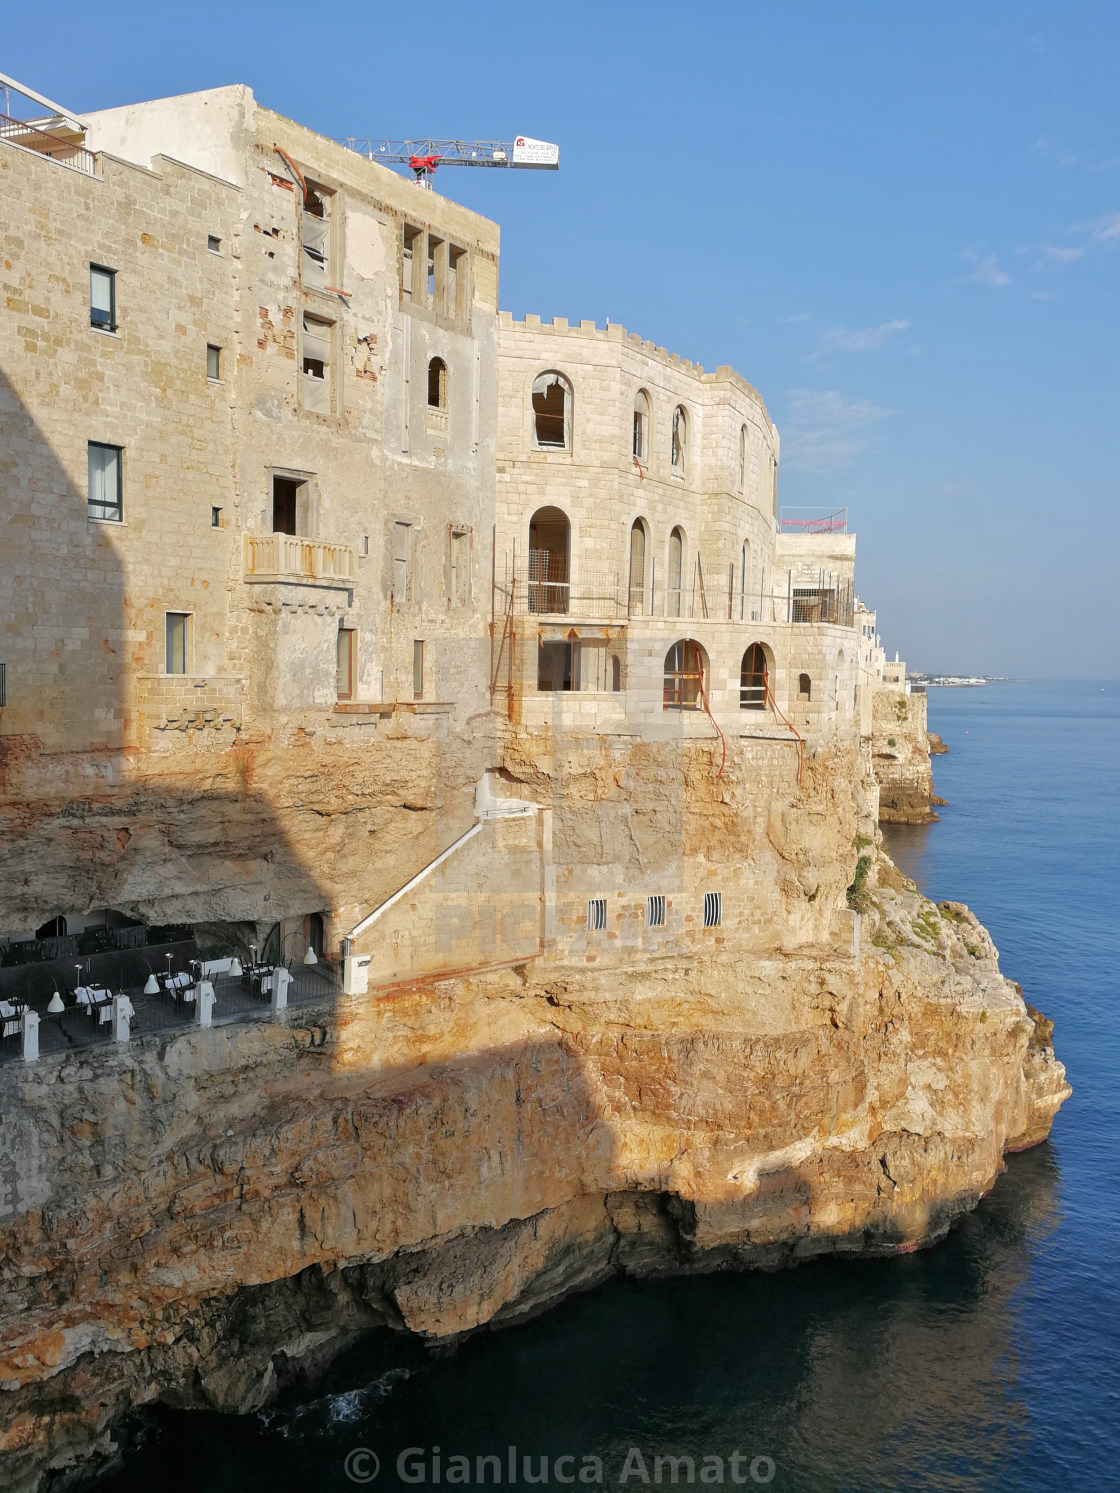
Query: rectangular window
[[177, 629], [713, 909], [215, 518], [460, 568], [402, 557], [435, 288], [3, 684], [418, 669], [596, 914], [457, 283], [346, 660], [102, 298], [316, 364], [106, 488], [286, 494], [655, 912], [411, 243], [554, 666], [213, 362], [315, 237], [363, 546], [213, 243]]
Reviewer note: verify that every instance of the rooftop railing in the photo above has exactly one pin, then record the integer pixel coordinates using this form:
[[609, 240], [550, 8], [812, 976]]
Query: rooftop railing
[[67, 153], [813, 521]]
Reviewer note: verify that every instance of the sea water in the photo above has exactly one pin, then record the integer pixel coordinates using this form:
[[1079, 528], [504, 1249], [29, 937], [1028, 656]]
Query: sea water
[[991, 1361]]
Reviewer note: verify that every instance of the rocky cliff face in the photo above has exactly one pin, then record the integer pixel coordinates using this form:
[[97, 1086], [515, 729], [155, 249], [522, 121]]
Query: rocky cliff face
[[900, 753], [202, 1218]]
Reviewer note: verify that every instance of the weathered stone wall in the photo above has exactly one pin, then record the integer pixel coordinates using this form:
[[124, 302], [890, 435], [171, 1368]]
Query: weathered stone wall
[[123, 786]]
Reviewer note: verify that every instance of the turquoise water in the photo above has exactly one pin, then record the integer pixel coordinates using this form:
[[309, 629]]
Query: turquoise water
[[989, 1362]]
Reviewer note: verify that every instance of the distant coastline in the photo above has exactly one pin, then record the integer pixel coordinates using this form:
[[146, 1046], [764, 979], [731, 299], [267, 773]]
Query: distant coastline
[[945, 681]]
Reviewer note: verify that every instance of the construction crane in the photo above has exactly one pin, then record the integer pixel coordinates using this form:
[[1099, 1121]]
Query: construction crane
[[423, 156]]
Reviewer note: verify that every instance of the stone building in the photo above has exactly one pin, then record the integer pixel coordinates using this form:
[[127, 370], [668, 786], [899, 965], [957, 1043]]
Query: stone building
[[341, 609]]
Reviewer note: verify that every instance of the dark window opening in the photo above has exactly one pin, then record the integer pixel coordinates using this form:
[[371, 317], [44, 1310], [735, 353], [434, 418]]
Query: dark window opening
[[551, 395], [418, 669], [753, 681], [685, 667], [437, 384], [213, 243], [213, 361], [215, 518], [554, 666], [804, 687], [285, 505]]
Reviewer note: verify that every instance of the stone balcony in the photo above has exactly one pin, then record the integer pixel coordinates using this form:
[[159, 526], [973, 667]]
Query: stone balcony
[[293, 559]]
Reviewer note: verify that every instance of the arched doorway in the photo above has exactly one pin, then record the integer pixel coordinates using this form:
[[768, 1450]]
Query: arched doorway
[[676, 568], [637, 568], [549, 546], [686, 669], [754, 678]]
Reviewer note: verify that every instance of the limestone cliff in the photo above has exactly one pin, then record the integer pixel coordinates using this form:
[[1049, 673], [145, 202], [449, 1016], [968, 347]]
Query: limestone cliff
[[200, 1219], [900, 750]]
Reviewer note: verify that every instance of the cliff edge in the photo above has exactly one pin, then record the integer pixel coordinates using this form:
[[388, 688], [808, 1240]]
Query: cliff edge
[[202, 1218]]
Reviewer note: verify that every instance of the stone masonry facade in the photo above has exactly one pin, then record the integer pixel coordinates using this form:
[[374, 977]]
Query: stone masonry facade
[[271, 683]]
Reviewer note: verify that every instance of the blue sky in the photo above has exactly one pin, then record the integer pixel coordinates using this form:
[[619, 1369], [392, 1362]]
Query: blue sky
[[900, 221]]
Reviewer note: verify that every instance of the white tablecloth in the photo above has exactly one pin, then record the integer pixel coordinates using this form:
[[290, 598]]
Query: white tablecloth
[[90, 995]]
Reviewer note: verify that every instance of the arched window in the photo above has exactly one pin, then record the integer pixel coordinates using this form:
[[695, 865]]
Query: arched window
[[552, 412], [686, 669], [437, 384], [641, 426], [743, 459], [676, 569], [549, 545], [804, 687], [637, 567], [680, 440], [744, 578], [754, 678]]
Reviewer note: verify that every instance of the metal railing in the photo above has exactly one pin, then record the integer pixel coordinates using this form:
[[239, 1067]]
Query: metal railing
[[602, 595], [41, 143], [813, 521], [291, 557]]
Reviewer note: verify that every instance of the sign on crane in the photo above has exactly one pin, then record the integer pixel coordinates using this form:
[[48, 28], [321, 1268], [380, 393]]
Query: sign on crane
[[422, 157]]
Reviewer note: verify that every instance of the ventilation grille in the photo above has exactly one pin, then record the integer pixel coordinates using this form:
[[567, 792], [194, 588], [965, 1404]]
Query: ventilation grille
[[713, 909], [596, 914], [655, 912]]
